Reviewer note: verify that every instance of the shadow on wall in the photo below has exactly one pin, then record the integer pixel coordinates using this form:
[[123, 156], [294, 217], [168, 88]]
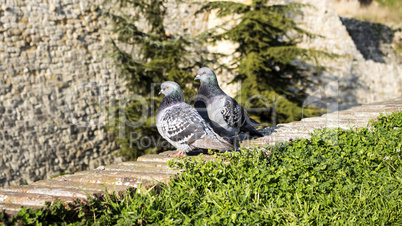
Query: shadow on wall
[[332, 90], [371, 39]]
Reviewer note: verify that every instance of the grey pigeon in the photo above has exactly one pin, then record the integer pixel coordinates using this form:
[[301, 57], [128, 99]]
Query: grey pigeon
[[182, 126], [221, 111]]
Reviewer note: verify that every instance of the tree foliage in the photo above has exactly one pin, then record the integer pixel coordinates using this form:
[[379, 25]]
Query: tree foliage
[[147, 55], [266, 36]]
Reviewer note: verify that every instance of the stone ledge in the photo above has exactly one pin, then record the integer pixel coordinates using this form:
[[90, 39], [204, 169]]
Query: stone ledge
[[358, 116]]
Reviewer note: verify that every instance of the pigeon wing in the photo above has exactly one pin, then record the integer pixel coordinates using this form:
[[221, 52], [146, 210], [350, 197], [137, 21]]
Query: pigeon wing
[[235, 116], [182, 124], [232, 113]]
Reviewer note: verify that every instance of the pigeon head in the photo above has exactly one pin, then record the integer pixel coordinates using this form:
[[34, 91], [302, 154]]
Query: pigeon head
[[169, 88], [206, 75]]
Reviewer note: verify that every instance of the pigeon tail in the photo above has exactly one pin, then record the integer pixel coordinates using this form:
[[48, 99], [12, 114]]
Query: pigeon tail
[[209, 143], [254, 123], [251, 131]]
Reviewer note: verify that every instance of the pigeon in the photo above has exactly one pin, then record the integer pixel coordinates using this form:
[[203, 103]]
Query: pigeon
[[222, 112], [182, 126]]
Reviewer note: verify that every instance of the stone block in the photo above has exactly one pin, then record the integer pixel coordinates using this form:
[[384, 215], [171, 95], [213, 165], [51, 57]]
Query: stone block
[[28, 198]]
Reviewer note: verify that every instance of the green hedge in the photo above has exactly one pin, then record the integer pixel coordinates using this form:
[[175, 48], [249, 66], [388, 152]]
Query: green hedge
[[338, 177]]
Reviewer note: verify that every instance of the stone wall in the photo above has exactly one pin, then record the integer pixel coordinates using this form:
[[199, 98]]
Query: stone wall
[[54, 84], [55, 81]]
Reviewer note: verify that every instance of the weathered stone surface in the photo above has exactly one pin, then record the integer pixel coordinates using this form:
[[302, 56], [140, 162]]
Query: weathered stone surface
[[154, 168], [119, 177], [31, 199], [12, 209], [112, 179], [54, 191], [48, 58], [86, 186], [162, 158]]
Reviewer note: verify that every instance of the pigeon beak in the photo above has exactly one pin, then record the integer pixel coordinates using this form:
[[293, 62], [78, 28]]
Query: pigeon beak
[[197, 77], [160, 92]]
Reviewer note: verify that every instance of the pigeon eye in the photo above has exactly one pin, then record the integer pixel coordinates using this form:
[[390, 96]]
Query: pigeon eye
[[204, 73], [167, 87]]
